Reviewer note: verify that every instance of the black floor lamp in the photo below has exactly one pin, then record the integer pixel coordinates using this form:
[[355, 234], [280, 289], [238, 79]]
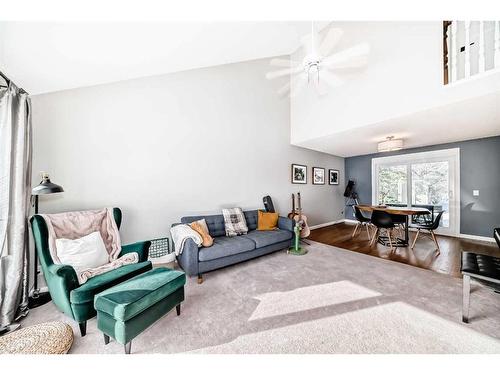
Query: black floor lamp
[[45, 187]]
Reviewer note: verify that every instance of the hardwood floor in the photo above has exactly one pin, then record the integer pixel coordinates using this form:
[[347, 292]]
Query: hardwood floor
[[423, 255]]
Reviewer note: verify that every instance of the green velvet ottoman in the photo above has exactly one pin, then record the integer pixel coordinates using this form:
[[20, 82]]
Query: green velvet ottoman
[[127, 309]]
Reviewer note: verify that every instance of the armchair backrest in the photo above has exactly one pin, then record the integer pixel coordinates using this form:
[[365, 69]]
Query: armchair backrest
[[41, 236]]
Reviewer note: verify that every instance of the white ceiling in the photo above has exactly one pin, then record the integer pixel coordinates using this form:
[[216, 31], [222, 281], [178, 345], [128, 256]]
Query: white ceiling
[[51, 56], [473, 118]]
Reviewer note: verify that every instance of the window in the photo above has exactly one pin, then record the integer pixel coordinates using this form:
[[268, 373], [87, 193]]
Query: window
[[420, 179]]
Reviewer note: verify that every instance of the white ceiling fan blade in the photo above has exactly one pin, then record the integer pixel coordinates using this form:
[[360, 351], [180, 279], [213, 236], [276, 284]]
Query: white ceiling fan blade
[[344, 56], [331, 79], [283, 72], [297, 85], [283, 63], [356, 62], [284, 90], [309, 42], [330, 41]]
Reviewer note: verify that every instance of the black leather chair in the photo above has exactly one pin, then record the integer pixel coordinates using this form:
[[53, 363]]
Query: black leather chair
[[484, 269], [429, 228], [363, 221], [383, 221]]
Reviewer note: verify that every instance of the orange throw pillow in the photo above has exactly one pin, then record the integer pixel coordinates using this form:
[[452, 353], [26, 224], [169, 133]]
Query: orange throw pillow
[[207, 240], [267, 220]]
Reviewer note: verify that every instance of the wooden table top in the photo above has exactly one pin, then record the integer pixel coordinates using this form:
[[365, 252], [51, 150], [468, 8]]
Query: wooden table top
[[395, 210]]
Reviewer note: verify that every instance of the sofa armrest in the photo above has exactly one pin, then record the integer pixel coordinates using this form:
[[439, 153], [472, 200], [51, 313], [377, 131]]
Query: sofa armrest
[[188, 259], [141, 248], [285, 223]]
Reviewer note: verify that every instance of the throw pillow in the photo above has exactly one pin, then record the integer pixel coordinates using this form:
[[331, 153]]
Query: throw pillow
[[201, 228], [267, 220], [82, 253], [234, 222]]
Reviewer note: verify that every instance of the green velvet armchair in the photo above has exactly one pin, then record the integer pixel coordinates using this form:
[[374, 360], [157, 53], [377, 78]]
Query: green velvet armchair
[[71, 298]]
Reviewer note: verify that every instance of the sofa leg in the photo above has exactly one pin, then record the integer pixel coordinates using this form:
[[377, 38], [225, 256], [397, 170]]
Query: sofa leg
[[127, 347], [200, 278], [83, 328], [178, 309], [106, 339]]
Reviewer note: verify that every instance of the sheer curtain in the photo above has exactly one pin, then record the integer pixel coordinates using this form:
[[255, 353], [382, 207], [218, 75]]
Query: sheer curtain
[[15, 190]]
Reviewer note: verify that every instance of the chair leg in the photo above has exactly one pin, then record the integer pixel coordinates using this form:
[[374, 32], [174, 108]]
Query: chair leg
[[368, 232], [83, 328], [465, 298], [128, 347], [178, 309], [355, 230], [106, 339], [435, 241], [415, 239], [200, 278], [390, 240], [375, 236]]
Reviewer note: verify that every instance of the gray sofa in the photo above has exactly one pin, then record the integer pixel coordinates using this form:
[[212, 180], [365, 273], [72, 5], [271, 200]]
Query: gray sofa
[[230, 250]]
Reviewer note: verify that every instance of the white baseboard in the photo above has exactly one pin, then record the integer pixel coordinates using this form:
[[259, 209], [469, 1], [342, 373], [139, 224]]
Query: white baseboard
[[317, 226], [461, 235], [477, 238]]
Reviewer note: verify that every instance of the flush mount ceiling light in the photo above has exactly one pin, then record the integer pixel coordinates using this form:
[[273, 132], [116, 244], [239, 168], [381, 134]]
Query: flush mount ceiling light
[[390, 144]]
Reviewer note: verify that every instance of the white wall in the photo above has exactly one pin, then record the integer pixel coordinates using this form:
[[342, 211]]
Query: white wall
[[404, 75], [173, 145]]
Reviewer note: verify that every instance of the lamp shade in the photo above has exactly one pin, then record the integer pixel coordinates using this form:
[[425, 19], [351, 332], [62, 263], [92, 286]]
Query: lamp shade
[[390, 144], [46, 187]]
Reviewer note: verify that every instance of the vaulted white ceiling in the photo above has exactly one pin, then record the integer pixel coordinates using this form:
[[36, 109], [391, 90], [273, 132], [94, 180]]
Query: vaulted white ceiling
[[44, 57]]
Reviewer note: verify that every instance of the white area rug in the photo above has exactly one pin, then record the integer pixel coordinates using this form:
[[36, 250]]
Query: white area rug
[[390, 328]]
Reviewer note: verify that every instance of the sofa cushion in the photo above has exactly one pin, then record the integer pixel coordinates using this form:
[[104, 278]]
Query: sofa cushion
[[86, 292], [251, 219], [226, 246], [265, 238], [126, 300]]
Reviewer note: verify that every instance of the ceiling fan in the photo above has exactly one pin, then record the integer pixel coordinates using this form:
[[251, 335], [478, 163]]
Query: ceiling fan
[[319, 64]]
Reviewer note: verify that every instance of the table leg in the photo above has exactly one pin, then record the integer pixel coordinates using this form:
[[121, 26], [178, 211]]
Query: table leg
[[407, 239]]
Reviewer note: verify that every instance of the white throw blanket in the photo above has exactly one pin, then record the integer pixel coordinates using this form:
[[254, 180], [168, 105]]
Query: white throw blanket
[[72, 225], [180, 233]]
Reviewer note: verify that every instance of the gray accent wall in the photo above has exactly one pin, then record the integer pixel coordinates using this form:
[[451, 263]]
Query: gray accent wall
[[479, 170]]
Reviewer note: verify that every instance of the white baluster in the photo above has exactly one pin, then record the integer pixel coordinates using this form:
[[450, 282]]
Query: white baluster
[[497, 44], [482, 60], [467, 49], [453, 53]]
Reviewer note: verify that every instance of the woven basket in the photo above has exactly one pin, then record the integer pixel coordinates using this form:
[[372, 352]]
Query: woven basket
[[45, 338]]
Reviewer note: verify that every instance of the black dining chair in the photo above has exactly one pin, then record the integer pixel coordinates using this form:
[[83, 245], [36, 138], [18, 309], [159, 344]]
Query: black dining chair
[[430, 228], [383, 221], [363, 221]]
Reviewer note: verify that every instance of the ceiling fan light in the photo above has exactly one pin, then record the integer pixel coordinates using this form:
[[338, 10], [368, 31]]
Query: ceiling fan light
[[390, 144]]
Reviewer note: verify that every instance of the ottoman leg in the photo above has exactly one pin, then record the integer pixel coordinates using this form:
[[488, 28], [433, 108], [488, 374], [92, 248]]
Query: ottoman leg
[[128, 346], [106, 339], [83, 328], [200, 278], [178, 308]]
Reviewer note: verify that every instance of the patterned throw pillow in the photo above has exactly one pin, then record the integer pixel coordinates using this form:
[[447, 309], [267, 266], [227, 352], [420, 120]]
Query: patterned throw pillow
[[234, 222]]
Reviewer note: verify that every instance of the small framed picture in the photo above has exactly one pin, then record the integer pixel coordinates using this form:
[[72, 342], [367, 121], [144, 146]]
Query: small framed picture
[[318, 176], [333, 177], [299, 174]]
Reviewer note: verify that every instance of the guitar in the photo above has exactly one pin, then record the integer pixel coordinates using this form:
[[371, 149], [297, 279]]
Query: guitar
[[291, 214], [268, 204], [301, 219]]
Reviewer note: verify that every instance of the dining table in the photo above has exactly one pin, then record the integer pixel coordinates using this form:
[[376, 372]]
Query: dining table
[[401, 211]]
